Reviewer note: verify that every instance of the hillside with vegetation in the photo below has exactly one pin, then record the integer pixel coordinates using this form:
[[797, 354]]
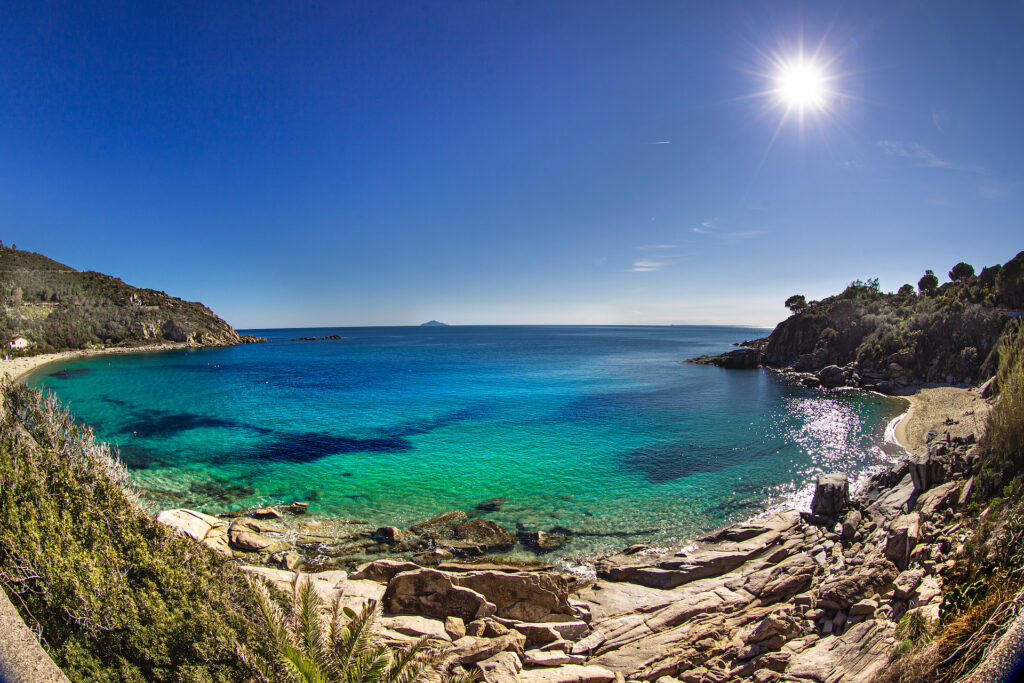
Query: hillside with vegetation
[[56, 307], [864, 337]]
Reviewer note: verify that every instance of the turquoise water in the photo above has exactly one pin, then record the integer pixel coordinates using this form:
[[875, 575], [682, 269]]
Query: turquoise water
[[603, 430]]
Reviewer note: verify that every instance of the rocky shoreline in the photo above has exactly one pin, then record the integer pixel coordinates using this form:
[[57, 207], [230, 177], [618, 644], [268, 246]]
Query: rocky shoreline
[[793, 596]]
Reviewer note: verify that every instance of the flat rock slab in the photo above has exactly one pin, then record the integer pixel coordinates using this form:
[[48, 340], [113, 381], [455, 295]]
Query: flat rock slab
[[570, 673], [208, 530], [419, 627], [857, 655], [611, 598]]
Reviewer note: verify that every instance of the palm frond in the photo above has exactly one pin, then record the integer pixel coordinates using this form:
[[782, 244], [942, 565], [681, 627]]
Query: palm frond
[[307, 621], [272, 614], [356, 637], [304, 668]]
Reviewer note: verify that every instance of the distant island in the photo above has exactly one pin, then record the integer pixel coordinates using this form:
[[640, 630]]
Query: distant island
[[434, 323]]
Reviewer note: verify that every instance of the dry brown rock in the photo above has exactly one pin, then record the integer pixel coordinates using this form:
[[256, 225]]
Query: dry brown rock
[[431, 593], [570, 673], [524, 596], [208, 530], [503, 667]]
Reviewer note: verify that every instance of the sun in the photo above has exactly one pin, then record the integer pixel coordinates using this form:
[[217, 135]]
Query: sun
[[802, 86]]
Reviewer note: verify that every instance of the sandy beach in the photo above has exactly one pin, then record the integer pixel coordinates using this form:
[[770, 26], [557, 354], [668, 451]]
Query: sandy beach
[[15, 369], [932, 407]]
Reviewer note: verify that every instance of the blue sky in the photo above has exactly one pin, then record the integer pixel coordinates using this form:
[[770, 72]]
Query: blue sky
[[295, 164]]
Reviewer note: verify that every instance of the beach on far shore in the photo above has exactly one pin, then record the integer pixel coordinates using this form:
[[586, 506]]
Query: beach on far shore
[[958, 411], [17, 368]]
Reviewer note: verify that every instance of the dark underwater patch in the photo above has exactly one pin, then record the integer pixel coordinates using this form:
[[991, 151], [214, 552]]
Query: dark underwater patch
[[70, 373], [149, 424], [415, 427], [140, 458], [674, 461], [659, 464], [310, 446]]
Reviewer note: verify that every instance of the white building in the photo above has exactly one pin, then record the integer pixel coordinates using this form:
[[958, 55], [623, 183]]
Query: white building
[[19, 343]]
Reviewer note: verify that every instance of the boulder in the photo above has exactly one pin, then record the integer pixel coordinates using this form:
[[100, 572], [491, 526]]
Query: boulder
[[851, 521], [831, 376], [906, 584], [440, 523], [296, 508], [525, 596], [831, 495], [484, 532], [776, 624], [430, 593], [503, 667], [454, 627], [266, 513], [541, 541], [857, 583], [243, 534], [939, 498], [208, 530], [902, 539]]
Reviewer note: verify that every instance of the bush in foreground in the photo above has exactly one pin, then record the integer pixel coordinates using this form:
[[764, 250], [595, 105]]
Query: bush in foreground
[[113, 595]]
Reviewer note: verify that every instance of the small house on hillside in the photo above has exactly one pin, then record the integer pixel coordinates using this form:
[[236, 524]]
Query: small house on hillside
[[19, 343]]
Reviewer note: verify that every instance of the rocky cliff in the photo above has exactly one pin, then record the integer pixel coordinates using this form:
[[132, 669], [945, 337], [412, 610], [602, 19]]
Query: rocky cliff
[[867, 338], [57, 307]]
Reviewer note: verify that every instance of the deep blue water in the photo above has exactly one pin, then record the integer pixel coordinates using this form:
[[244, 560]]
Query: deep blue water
[[599, 429]]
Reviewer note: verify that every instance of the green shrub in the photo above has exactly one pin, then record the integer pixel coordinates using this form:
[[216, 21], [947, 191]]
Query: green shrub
[[113, 595]]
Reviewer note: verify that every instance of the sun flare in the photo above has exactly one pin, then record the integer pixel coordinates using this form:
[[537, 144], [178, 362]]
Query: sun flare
[[802, 86]]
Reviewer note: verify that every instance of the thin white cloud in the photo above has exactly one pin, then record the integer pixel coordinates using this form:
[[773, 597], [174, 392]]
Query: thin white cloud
[[699, 231], [646, 266], [940, 119], [657, 246], [914, 152], [660, 142]]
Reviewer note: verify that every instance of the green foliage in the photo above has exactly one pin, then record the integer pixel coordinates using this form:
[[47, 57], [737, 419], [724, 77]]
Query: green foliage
[[913, 627], [114, 595], [1003, 442], [796, 303], [341, 648], [928, 283], [56, 307], [961, 271], [1009, 283], [951, 332]]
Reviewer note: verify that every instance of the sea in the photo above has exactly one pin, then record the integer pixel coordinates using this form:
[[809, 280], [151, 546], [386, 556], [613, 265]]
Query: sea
[[604, 431]]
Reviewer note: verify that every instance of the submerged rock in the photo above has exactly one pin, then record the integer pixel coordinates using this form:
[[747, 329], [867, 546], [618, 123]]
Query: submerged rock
[[485, 533]]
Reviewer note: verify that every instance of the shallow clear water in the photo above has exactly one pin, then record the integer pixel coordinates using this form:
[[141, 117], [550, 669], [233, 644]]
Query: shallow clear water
[[603, 430]]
